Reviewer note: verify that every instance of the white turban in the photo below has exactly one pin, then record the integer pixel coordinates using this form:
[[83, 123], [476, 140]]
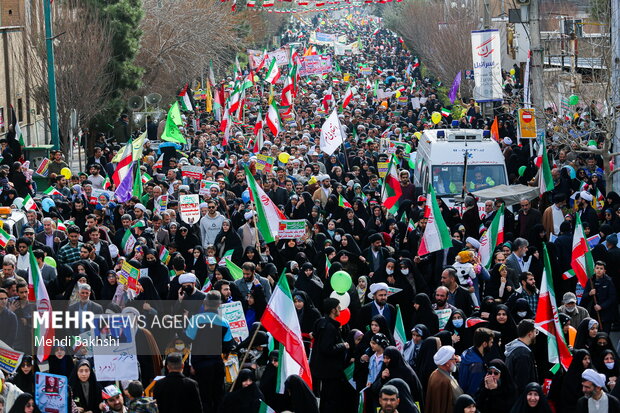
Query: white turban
[[596, 378], [187, 278], [248, 215], [443, 355], [585, 195], [474, 242], [377, 287]]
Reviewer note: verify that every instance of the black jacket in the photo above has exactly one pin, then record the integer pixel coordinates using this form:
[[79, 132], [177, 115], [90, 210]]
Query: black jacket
[[369, 310], [521, 364], [177, 393], [329, 351], [613, 405]]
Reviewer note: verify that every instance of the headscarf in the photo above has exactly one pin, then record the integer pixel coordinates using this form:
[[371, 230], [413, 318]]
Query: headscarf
[[521, 406], [361, 293], [463, 401], [407, 402]]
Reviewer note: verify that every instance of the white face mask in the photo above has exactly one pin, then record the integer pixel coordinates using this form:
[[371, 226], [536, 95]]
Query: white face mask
[[404, 271], [179, 346], [610, 365], [337, 237], [389, 272], [521, 313]]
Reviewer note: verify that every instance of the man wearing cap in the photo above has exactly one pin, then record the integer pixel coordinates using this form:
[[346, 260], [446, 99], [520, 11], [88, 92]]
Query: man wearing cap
[[600, 295], [586, 212], [324, 191], [378, 305], [570, 308], [328, 359], [112, 400], [594, 397], [443, 389]]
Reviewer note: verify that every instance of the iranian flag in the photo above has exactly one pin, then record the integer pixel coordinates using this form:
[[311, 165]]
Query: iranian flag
[[128, 242], [410, 225], [269, 216], [258, 133], [160, 162], [436, 234], [273, 119], [264, 408], [328, 98], [328, 265], [4, 237], [581, 261], [29, 203], [399, 330], [124, 163], [391, 193], [286, 98], [491, 238], [280, 320], [273, 73], [547, 320], [416, 63], [164, 255], [343, 202], [43, 305], [347, 97], [186, 102], [545, 180], [51, 191], [445, 112]]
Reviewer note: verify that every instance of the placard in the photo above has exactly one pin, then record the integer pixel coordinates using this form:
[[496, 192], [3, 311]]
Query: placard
[[233, 313], [444, 316], [192, 171], [162, 203], [189, 207], [292, 228], [116, 359], [315, 65], [382, 168], [9, 359], [281, 55], [128, 275], [51, 392], [264, 162], [205, 187]]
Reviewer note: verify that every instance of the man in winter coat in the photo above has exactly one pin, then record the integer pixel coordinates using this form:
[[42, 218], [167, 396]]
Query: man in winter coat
[[472, 370], [210, 224], [520, 358]]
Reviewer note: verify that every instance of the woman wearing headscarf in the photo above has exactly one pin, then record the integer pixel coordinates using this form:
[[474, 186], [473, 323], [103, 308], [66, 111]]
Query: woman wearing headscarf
[[586, 334], [497, 392], [601, 344], [501, 320], [148, 301], [406, 401], [60, 362], [568, 390], [85, 390], [424, 313], [186, 240], [8, 197], [499, 286], [522, 311], [251, 254], [228, 239], [426, 365], [24, 404], [395, 367], [532, 400], [198, 264], [246, 396], [24, 375], [157, 272], [352, 225], [609, 365], [362, 289], [461, 340], [19, 180], [307, 313], [300, 398]]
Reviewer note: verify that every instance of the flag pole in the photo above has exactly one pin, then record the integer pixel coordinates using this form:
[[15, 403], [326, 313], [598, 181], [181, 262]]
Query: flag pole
[[245, 356]]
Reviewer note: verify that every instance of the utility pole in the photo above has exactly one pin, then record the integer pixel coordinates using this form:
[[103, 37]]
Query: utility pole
[[51, 76], [615, 84], [536, 65]]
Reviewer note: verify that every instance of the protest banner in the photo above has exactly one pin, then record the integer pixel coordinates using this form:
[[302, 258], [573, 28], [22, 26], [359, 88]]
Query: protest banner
[[365, 70], [233, 313], [292, 228], [315, 65], [51, 392], [281, 55], [192, 171], [264, 162], [205, 187], [9, 358], [94, 196], [189, 207], [323, 38], [128, 275], [382, 168], [115, 348]]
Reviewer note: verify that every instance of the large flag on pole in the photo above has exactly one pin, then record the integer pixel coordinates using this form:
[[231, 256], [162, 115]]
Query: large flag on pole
[[273, 118], [391, 191], [173, 121], [123, 165], [269, 216], [280, 319], [43, 306], [491, 238], [547, 320], [399, 330], [581, 258], [545, 180], [331, 134], [436, 234]]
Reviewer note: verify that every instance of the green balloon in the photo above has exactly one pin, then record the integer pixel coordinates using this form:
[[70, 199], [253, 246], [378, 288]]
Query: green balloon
[[341, 282], [50, 261], [573, 100], [522, 170]]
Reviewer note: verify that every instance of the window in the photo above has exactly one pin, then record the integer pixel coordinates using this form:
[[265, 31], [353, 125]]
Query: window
[[449, 179]]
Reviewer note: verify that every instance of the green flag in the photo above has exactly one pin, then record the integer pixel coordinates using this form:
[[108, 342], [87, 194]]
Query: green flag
[[137, 182], [235, 271], [173, 121]]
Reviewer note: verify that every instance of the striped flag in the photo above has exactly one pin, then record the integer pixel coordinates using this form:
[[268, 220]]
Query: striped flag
[[159, 163], [491, 238], [328, 265], [264, 408], [436, 234], [228, 254], [410, 225], [399, 330], [124, 165], [445, 112], [43, 305], [392, 191], [273, 73], [4, 238], [43, 168], [545, 180], [273, 119], [128, 242], [235, 271], [347, 97], [51, 191], [29, 203], [207, 287], [581, 262], [164, 255], [269, 216], [343, 202]]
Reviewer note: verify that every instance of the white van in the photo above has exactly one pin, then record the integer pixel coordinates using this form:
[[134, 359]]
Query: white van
[[440, 160]]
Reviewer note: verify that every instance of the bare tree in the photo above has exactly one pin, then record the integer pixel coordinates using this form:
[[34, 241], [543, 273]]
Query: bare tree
[[82, 49]]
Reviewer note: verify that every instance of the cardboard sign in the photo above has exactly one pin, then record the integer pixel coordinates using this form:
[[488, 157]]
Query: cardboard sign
[[292, 228], [192, 171], [233, 313], [444, 316], [116, 361], [189, 207], [128, 275], [10, 359], [527, 123], [315, 65], [205, 187], [365, 70], [382, 168], [162, 203], [264, 162], [51, 392]]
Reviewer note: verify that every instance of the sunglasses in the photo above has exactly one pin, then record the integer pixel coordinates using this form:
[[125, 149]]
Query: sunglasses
[[493, 373]]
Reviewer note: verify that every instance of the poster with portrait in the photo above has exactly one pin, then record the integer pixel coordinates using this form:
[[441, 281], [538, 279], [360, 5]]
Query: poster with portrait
[[51, 393]]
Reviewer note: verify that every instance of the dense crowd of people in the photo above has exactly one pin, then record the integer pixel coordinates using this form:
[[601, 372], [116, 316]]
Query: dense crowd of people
[[471, 342]]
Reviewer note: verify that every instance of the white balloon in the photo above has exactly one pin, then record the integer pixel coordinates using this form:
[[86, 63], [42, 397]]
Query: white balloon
[[344, 299]]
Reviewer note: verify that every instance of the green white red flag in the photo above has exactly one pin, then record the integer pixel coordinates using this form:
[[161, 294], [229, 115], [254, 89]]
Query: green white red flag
[[547, 320], [347, 97], [4, 238], [43, 306], [491, 238], [581, 261], [273, 118], [269, 216], [343, 202], [29, 203], [399, 330], [273, 73], [545, 180], [391, 193], [436, 234]]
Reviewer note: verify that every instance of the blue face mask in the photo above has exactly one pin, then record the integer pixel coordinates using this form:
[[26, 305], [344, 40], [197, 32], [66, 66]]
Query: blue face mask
[[457, 322]]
